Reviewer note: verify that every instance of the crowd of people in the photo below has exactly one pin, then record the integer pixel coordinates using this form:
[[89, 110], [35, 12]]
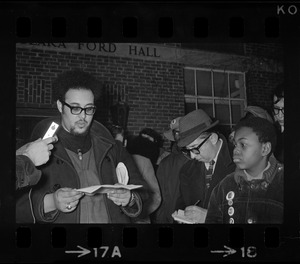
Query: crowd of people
[[205, 177]]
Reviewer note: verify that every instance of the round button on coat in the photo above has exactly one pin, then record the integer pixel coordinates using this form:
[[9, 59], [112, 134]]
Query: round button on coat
[[230, 195], [231, 211]]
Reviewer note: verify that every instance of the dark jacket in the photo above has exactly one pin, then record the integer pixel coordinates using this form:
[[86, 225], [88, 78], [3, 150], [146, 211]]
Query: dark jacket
[[279, 150], [192, 178], [60, 172], [168, 179], [26, 172], [257, 201]]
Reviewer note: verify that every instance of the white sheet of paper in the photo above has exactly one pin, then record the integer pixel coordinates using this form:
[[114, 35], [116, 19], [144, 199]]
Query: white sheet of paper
[[180, 217], [122, 173], [107, 187]]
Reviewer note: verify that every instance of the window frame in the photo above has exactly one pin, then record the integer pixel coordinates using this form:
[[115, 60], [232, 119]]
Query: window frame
[[201, 98]]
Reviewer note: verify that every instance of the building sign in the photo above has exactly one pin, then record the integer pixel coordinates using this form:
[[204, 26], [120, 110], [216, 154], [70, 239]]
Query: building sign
[[133, 50], [147, 51]]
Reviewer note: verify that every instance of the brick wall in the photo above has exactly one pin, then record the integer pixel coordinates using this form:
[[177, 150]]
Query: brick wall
[[260, 87], [153, 90], [260, 83], [266, 50]]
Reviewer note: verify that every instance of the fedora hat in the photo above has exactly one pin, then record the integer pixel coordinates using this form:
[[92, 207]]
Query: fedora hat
[[193, 125], [174, 125]]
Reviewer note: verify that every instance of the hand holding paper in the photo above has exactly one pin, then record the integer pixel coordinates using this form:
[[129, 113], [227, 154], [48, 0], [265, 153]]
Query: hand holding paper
[[195, 213], [191, 215], [120, 197], [181, 218], [107, 188]]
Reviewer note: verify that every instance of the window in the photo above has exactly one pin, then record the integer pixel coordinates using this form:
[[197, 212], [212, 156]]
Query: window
[[221, 94]]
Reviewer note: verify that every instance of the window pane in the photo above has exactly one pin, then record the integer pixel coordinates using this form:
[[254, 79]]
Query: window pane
[[237, 109], [236, 86], [207, 106], [204, 83], [221, 84], [189, 107], [222, 111], [189, 82]]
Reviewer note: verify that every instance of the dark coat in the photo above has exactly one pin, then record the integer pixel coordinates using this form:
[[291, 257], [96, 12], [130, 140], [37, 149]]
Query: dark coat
[[279, 150], [26, 172], [192, 179], [60, 172], [254, 202], [168, 179]]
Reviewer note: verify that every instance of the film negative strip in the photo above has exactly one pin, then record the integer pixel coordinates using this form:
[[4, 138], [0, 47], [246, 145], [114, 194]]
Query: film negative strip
[[160, 44]]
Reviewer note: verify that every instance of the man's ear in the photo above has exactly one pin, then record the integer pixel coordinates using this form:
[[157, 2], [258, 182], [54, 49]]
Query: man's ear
[[59, 106], [266, 148], [214, 138]]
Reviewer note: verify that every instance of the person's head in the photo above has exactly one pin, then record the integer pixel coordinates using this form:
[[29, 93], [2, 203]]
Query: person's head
[[173, 133], [254, 142], [146, 144], [118, 132], [278, 105], [252, 111], [151, 135], [76, 93], [197, 137]]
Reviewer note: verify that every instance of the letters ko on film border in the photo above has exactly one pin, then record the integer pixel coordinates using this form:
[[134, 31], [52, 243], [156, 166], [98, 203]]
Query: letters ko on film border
[[150, 23]]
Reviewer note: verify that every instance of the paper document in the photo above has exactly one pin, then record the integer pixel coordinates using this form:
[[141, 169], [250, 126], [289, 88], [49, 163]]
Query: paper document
[[122, 173], [181, 218], [107, 188]]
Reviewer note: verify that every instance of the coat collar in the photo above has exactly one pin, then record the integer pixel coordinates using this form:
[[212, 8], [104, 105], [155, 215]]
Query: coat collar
[[224, 158], [97, 129], [99, 133], [224, 162], [268, 175]]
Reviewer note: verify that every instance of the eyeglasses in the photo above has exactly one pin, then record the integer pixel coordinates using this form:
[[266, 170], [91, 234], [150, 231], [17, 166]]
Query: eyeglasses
[[195, 150], [277, 110], [76, 110], [175, 134]]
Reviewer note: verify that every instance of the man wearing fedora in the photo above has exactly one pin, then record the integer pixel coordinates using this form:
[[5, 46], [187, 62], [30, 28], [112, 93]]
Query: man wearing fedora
[[210, 162], [168, 176]]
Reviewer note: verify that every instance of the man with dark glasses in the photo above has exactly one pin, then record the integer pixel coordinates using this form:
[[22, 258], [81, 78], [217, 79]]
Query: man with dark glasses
[[210, 163], [85, 155]]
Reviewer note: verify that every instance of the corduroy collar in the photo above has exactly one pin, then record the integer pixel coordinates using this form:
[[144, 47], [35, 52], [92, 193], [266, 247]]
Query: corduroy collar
[[268, 174]]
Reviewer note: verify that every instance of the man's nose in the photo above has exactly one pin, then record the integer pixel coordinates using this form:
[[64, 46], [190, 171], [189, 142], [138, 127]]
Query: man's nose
[[82, 114]]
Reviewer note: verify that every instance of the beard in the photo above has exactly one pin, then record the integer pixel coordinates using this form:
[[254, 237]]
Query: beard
[[74, 131]]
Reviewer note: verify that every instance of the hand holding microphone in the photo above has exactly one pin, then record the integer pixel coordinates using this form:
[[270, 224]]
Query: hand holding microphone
[[38, 151]]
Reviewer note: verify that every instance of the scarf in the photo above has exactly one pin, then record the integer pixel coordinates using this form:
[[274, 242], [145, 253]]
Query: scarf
[[75, 143]]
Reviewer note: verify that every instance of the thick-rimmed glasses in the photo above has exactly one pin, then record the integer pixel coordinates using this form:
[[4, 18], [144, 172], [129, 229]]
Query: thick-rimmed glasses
[[175, 134], [195, 150], [76, 110], [277, 110]]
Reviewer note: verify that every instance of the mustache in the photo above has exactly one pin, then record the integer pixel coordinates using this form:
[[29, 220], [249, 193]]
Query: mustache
[[81, 121]]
